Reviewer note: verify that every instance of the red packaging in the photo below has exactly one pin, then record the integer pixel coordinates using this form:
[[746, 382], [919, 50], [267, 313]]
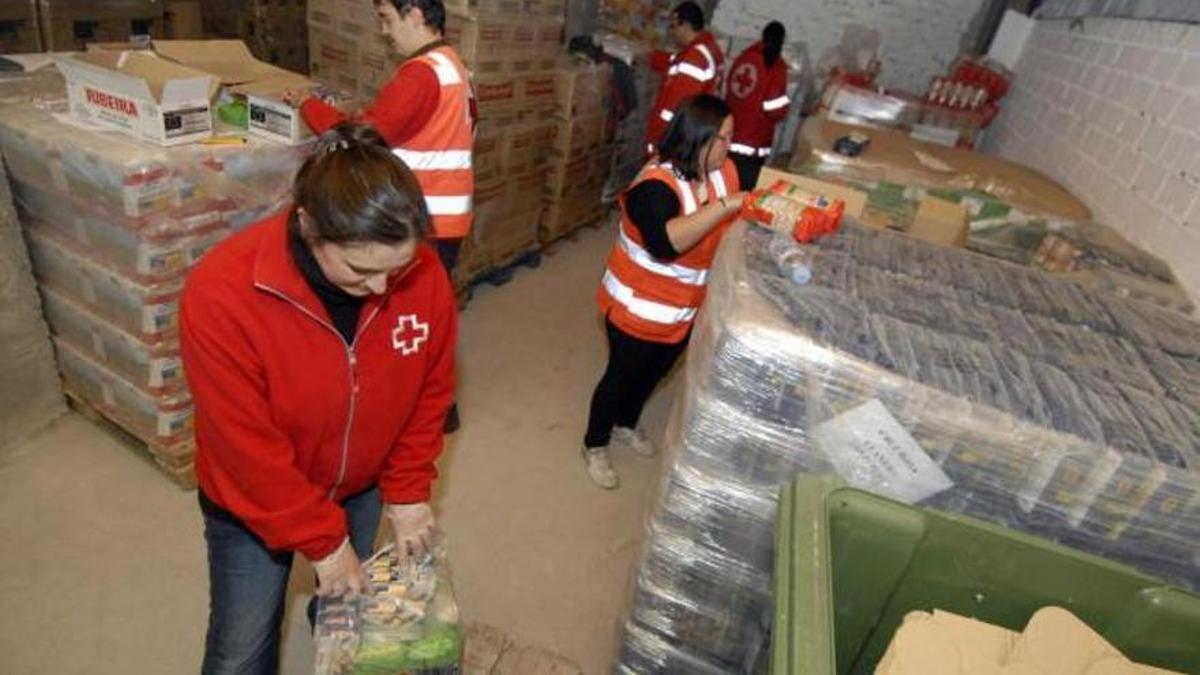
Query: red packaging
[[783, 207]]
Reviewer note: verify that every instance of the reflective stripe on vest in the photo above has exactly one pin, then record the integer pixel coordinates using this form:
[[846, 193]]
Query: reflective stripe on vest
[[642, 258], [642, 308], [775, 103], [748, 150], [443, 160], [448, 206], [447, 74]]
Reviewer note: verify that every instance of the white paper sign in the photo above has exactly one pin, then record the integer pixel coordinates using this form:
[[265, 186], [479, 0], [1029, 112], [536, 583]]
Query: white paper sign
[[871, 451]]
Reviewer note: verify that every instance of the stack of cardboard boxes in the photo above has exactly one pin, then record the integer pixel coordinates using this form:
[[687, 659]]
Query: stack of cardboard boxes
[[583, 150], [18, 27], [512, 49], [68, 25], [120, 189], [273, 29]]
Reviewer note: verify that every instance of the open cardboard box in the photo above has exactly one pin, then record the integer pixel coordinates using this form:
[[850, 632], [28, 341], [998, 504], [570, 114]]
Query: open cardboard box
[[140, 94], [936, 220], [261, 84]]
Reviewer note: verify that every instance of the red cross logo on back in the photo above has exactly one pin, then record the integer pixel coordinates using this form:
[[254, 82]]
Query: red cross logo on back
[[409, 334], [743, 80]]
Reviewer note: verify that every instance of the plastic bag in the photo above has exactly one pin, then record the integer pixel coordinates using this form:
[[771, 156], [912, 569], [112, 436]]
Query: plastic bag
[[406, 622]]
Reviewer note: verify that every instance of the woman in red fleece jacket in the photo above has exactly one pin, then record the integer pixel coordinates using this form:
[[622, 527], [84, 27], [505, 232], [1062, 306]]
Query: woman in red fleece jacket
[[319, 348]]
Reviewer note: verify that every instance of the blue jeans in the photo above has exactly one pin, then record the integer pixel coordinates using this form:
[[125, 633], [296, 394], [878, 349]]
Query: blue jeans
[[248, 584]]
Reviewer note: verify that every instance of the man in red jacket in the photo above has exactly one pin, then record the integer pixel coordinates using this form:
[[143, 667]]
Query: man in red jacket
[[695, 69], [426, 114], [757, 95], [319, 347]]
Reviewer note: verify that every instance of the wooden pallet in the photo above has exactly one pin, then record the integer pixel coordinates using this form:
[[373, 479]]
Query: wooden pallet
[[175, 460], [503, 273]]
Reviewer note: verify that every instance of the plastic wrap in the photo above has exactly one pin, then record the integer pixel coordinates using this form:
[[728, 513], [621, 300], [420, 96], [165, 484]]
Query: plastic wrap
[[113, 226], [407, 621], [924, 373], [153, 367]]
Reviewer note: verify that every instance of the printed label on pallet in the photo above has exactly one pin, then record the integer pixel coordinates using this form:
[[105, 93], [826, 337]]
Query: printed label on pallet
[[871, 451]]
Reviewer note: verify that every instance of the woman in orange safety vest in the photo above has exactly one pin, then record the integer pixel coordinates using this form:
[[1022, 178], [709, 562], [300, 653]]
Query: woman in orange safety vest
[[673, 217]]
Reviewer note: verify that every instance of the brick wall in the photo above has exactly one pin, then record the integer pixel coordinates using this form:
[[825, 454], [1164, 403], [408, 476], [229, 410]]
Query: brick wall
[[917, 39], [1111, 108]]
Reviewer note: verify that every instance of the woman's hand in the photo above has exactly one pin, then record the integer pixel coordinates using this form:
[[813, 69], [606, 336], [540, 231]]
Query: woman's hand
[[412, 527], [733, 202], [340, 572]]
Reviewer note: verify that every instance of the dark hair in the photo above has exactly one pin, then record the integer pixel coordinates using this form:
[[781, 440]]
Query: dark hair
[[773, 36], [355, 190], [433, 11], [697, 121], [689, 12]]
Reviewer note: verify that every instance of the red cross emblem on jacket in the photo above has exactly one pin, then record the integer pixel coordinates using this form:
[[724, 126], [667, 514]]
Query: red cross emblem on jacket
[[409, 334]]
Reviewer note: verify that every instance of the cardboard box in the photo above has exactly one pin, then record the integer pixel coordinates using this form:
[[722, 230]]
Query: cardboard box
[[183, 20], [580, 134], [936, 220], [18, 29], [491, 200], [356, 19], [322, 14], [261, 84], [495, 95], [941, 222], [526, 189], [527, 147], [563, 216], [895, 157], [333, 59], [537, 90], [506, 240], [146, 97], [482, 42], [582, 88]]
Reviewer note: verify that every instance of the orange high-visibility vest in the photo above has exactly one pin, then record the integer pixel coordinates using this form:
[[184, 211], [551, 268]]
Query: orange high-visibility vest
[[654, 299], [440, 153]]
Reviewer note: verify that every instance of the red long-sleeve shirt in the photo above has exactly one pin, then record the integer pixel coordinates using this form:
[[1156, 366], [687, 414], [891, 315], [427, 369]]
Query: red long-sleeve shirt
[[757, 95], [404, 105], [696, 69], [290, 419]]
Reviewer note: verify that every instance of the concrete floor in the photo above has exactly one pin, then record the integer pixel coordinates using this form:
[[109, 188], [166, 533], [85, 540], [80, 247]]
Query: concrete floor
[[102, 562]]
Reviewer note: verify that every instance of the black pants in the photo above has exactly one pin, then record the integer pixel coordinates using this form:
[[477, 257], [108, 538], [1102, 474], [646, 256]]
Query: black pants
[[447, 250], [635, 367], [748, 169]]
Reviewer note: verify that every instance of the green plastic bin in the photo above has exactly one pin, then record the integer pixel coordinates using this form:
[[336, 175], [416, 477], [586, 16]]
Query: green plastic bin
[[850, 565]]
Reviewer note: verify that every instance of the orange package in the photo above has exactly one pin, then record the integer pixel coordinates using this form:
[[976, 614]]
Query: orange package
[[783, 207]]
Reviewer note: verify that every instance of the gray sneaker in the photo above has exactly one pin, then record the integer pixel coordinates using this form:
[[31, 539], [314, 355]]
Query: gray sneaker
[[634, 439], [600, 469]]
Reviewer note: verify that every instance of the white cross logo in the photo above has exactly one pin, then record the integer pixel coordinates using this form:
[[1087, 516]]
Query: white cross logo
[[409, 334]]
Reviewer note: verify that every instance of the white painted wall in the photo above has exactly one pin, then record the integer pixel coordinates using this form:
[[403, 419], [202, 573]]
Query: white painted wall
[[916, 39], [1111, 108]]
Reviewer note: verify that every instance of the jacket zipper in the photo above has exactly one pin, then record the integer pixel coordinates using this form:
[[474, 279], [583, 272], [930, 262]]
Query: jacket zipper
[[351, 361]]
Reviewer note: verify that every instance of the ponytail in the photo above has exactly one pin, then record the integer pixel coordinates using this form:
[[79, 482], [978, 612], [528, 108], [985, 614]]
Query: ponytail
[[773, 36], [354, 189]]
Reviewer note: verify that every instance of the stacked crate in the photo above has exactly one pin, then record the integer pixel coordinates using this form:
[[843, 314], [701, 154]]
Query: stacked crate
[[69, 25], [926, 374], [18, 27], [113, 226], [583, 151], [512, 57], [512, 49], [274, 30]]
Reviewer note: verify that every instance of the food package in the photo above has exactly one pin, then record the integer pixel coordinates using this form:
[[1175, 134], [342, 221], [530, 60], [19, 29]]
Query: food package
[[406, 621], [924, 373], [784, 207]]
